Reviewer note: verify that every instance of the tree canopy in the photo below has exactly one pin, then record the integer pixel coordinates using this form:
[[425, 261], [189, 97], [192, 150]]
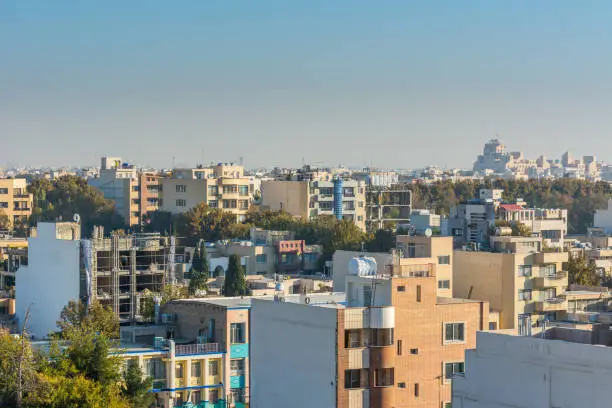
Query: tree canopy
[[69, 195], [582, 271], [200, 270], [235, 279]]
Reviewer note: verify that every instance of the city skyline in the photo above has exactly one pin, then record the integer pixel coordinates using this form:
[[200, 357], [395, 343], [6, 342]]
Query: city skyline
[[348, 83]]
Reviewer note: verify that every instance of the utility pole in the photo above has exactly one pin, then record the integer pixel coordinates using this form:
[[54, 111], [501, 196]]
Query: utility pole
[[19, 401]]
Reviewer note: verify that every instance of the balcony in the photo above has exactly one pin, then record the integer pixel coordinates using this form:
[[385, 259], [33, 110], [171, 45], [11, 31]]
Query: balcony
[[359, 397], [555, 304], [559, 279], [364, 318], [22, 209], [358, 358], [187, 349], [551, 257], [21, 195]]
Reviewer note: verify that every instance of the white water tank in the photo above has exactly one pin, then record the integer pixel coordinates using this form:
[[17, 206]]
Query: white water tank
[[362, 266]]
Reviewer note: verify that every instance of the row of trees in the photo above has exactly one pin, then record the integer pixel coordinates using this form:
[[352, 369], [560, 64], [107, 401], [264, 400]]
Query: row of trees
[[581, 198], [78, 370]]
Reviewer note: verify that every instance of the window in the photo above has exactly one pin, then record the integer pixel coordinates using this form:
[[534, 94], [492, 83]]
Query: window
[[3, 190], [524, 295], [548, 270], [524, 270], [237, 366], [444, 284], [3, 204], [348, 205], [401, 288], [418, 293], [454, 332], [360, 218], [382, 337], [196, 369], [136, 201], [244, 204], [450, 369], [179, 401], [492, 325], [213, 395], [181, 203], [383, 377], [355, 378], [457, 232], [326, 191], [261, 258], [237, 395], [213, 367], [213, 190], [230, 189], [444, 260], [213, 204], [414, 351], [237, 333], [230, 203], [401, 385], [352, 338], [399, 347], [416, 389], [155, 368], [181, 188], [325, 205], [196, 397], [360, 204], [178, 371], [135, 188], [367, 296], [243, 190]]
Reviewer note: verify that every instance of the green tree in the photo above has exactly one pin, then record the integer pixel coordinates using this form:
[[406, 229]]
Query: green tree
[[520, 230], [5, 222], [235, 280], [200, 270], [168, 293], [383, 241], [582, 271], [136, 388], [99, 318]]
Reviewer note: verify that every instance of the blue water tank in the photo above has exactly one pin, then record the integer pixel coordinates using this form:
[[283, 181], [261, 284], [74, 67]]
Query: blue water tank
[[338, 195]]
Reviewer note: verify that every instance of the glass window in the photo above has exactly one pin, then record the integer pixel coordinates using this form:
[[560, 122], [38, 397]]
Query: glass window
[[213, 367], [261, 258], [181, 203], [383, 377], [237, 333], [213, 395], [444, 260], [454, 332], [524, 270], [451, 369], [196, 369], [243, 190], [237, 395], [444, 284], [237, 366], [524, 294], [196, 397], [178, 371], [181, 188]]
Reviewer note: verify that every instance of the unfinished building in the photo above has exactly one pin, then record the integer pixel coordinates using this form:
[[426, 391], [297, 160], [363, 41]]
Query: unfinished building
[[387, 206], [118, 270]]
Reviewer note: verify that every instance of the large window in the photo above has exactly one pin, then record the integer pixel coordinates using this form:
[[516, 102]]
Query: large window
[[196, 397], [353, 338], [356, 378], [155, 368], [181, 203], [450, 369], [524, 295], [524, 270], [261, 258], [382, 337], [3, 190], [237, 333], [444, 284], [213, 395], [383, 377], [454, 332], [213, 367], [326, 205], [181, 188], [237, 366], [548, 270], [237, 395], [444, 260], [196, 369], [243, 190], [230, 189]]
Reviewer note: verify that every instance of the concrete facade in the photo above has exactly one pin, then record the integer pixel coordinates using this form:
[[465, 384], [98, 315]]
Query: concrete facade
[[603, 218], [526, 372], [52, 277]]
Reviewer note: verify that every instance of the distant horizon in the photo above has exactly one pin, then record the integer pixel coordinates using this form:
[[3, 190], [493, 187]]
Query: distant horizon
[[407, 85]]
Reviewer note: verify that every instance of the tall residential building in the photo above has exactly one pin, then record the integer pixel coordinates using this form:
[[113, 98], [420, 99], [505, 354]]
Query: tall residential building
[[344, 199], [566, 367], [221, 186], [550, 224], [520, 281], [134, 192], [392, 343], [15, 201], [115, 271]]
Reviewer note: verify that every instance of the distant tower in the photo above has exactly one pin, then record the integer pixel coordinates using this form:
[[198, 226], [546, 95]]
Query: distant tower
[[241, 160]]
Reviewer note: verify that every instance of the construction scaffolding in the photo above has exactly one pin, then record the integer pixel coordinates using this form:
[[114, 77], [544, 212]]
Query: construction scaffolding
[[387, 206], [118, 270]]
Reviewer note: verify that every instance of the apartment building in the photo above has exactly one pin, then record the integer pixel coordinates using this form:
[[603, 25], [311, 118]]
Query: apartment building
[[433, 249], [550, 224], [469, 223], [15, 201], [115, 271], [221, 186], [134, 192], [519, 280], [306, 199], [13, 252], [392, 343], [221, 321], [566, 367], [387, 206]]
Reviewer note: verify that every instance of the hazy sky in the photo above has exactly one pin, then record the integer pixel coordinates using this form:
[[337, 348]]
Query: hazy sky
[[394, 83]]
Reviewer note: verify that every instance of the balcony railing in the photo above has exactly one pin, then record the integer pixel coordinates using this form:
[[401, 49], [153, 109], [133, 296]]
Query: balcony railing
[[185, 349], [551, 305], [21, 195]]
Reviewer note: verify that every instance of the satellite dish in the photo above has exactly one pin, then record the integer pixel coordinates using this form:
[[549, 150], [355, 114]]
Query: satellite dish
[[428, 232], [76, 218]]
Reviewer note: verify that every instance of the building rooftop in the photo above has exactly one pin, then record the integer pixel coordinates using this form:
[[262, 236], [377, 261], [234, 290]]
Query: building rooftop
[[449, 301], [314, 299]]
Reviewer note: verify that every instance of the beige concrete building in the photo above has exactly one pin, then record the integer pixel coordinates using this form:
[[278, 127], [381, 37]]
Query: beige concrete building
[[435, 250], [222, 186], [522, 283], [135, 193], [308, 199], [15, 201]]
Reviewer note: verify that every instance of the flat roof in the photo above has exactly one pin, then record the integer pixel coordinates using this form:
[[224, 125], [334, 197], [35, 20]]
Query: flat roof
[[316, 299], [449, 301]]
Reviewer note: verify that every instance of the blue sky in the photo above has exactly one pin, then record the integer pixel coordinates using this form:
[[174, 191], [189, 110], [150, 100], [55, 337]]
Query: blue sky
[[390, 83]]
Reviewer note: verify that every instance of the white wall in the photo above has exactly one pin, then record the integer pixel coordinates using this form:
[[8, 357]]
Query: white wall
[[603, 218], [50, 280], [293, 355], [526, 372]]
